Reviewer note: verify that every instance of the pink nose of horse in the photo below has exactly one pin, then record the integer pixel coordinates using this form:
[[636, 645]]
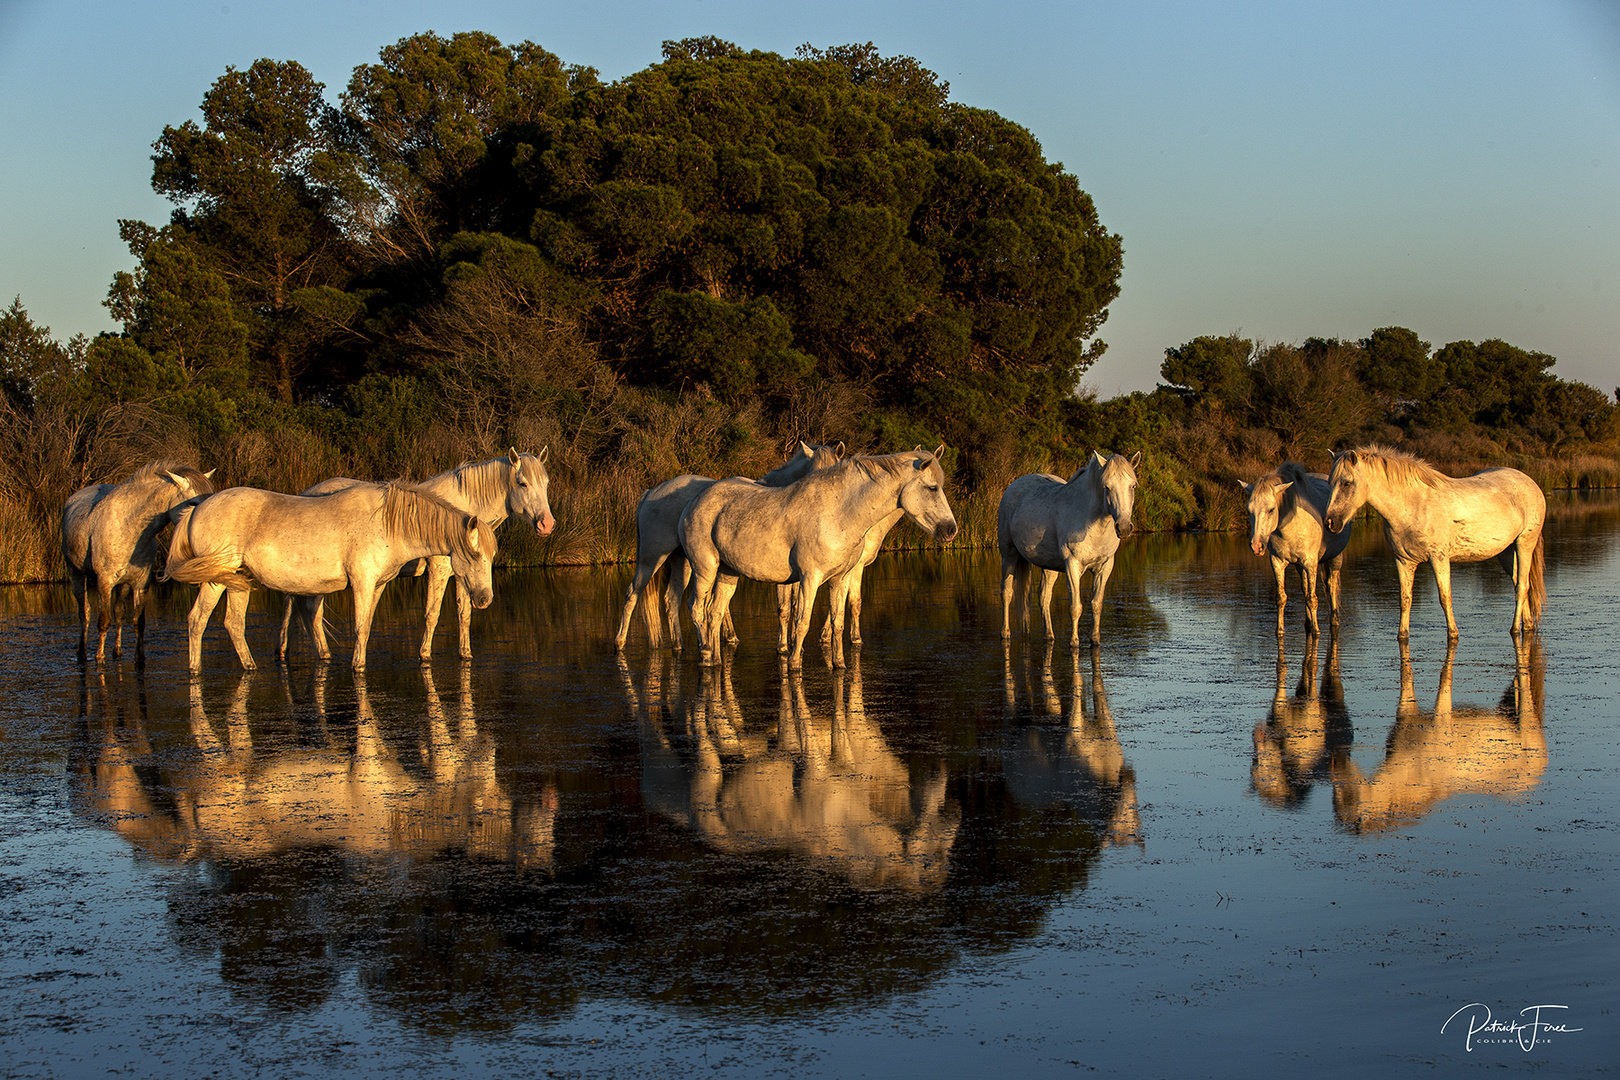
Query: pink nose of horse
[[545, 525], [1257, 547], [945, 532]]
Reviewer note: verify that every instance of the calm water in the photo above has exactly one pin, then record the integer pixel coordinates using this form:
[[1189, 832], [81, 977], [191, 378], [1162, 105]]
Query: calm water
[[1181, 855]]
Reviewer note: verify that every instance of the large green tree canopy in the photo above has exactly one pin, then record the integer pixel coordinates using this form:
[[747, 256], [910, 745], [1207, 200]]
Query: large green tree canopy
[[741, 221]]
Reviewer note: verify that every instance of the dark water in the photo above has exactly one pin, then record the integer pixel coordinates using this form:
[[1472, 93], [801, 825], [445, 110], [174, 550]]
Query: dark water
[[1179, 855]]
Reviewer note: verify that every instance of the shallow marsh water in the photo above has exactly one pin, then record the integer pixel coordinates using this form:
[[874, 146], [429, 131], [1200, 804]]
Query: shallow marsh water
[[1178, 855]]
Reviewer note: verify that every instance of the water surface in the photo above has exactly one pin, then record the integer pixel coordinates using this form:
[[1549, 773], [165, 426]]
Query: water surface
[[1184, 853]]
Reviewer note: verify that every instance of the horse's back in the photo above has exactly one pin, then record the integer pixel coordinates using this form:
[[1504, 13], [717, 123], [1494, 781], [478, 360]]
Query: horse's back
[[330, 485]]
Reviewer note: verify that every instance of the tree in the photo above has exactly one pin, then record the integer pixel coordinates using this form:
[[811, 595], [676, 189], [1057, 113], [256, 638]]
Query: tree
[[1213, 371], [263, 188], [28, 354]]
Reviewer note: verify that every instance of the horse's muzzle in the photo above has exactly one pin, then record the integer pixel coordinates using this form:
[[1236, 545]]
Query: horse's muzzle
[[1123, 529], [1335, 524], [945, 532], [545, 525], [1257, 547]]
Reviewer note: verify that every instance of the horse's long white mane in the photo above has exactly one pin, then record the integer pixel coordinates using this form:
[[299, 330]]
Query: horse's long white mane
[[484, 482], [1399, 467], [410, 510]]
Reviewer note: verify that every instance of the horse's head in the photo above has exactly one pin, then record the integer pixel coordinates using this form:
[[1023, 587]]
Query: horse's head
[[527, 496], [801, 463], [472, 560], [1118, 483], [190, 483], [1345, 497], [1265, 506], [922, 496]]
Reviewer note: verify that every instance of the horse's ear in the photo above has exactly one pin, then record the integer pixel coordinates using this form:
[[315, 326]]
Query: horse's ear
[[1284, 487], [545, 452], [1135, 458], [1247, 489], [512, 457], [938, 450], [209, 475], [1096, 455], [470, 524], [804, 449], [839, 449], [1349, 457]]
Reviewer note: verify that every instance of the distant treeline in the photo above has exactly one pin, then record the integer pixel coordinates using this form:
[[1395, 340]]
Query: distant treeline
[[687, 270]]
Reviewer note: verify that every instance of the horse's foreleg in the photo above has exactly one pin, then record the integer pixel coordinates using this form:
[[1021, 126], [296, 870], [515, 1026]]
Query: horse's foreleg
[[438, 577], [784, 619], [236, 605], [208, 594], [104, 617], [1334, 566], [853, 589], [464, 610], [725, 587], [838, 593], [1075, 572], [365, 606], [1279, 570], [1049, 580], [1307, 578], [1099, 582], [808, 584], [1442, 584], [1405, 571]]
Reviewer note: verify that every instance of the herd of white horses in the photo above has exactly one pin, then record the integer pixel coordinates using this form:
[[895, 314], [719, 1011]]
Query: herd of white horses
[[819, 518]]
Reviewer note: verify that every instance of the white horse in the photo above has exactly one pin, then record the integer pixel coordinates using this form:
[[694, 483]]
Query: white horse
[[1429, 515], [1072, 526], [516, 486], [109, 542], [803, 534], [1286, 511], [358, 538], [658, 543]]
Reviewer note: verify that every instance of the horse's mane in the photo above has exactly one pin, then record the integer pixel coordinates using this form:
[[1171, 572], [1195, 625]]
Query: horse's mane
[[1399, 467], [485, 482], [160, 468], [893, 464], [408, 509], [1292, 472]]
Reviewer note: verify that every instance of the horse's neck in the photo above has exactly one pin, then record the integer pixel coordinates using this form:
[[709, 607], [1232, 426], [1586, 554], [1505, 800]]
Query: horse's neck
[[871, 497]]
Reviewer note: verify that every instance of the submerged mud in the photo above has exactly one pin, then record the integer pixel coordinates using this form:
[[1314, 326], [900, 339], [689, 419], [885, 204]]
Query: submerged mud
[[1192, 851]]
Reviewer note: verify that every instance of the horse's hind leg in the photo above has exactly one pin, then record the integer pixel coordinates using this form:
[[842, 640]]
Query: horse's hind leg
[[646, 572], [81, 596], [236, 604], [1014, 578], [1099, 582], [208, 594]]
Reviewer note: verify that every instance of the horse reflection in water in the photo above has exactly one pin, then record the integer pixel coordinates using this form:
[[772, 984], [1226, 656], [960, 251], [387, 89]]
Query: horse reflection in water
[[1435, 754], [1294, 745], [241, 803], [830, 791], [1079, 761]]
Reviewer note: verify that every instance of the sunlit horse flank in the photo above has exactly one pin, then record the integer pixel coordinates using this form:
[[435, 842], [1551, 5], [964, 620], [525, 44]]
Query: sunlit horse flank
[[358, 538], [1072, 526], [658, 543], [1432, 755], [804, 534], [515, 486], [1431, 516], [1287, 507], [109, 542]]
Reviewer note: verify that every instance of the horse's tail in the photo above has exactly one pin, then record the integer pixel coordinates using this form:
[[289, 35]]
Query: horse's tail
[[214, 569], [651, 608], [1538, 584]]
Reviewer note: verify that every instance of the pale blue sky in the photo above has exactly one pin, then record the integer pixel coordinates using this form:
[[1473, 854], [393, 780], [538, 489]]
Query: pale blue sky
[[1283, 169]]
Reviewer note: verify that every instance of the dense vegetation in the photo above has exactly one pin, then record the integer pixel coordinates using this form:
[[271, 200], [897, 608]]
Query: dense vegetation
[[480, 246]]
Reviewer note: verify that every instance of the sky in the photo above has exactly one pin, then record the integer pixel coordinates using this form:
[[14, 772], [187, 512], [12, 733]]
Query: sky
[[1286, 170]]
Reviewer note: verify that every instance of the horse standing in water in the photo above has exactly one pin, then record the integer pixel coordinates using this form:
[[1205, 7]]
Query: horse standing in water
[[1072, 526], [803, 534], [513, 486], [358, 538], [109, 542], [1286, 511], [1429, 515], [658, 542]]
